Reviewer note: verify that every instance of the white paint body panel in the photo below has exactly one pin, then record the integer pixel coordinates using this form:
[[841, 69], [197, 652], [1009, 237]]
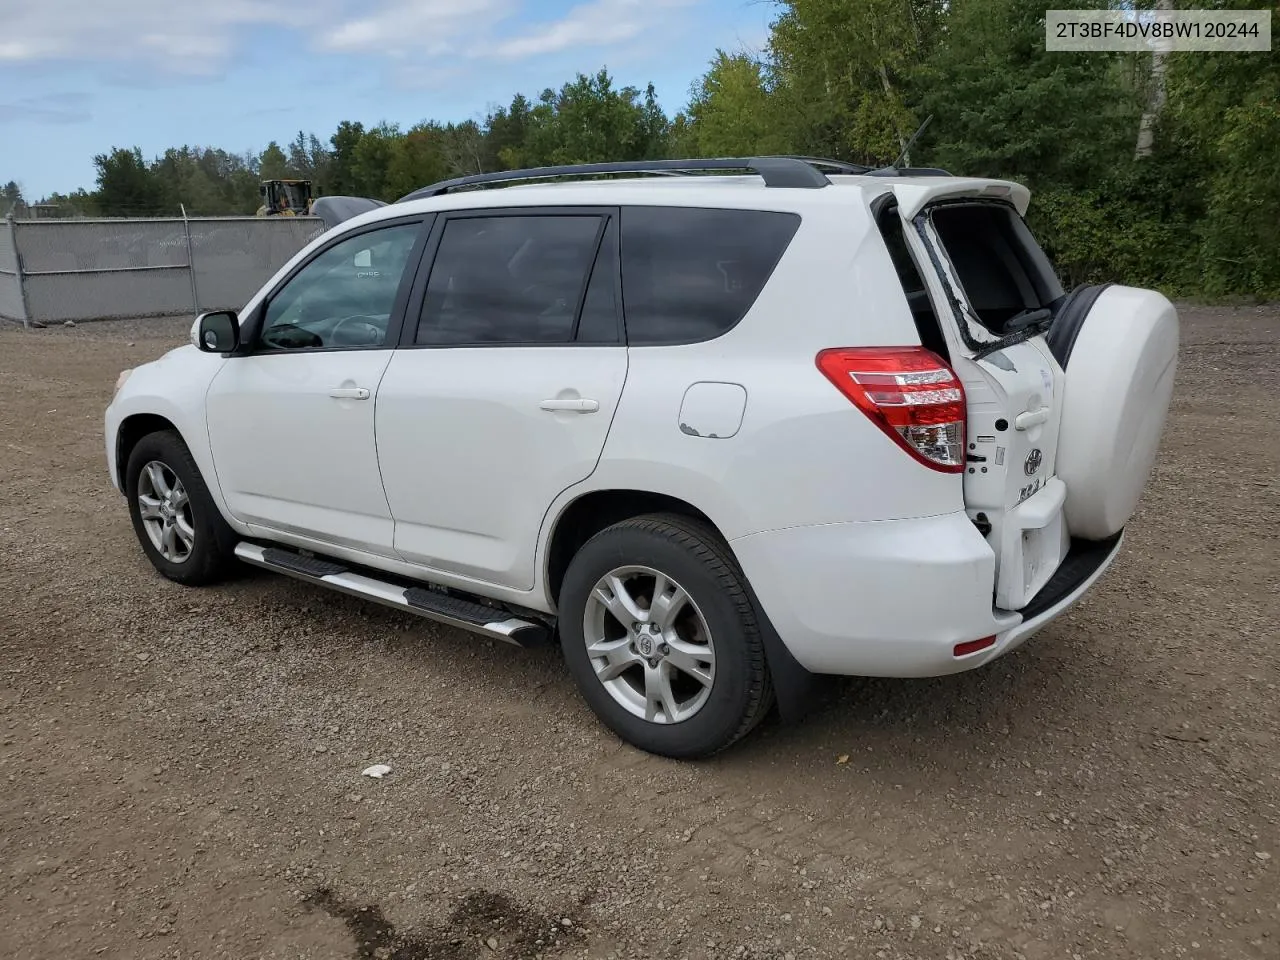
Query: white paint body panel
[[293, 458], [471, 457], [864, 559]]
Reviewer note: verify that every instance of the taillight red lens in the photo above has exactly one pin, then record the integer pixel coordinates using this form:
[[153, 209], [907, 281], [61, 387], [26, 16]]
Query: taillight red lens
[[908, 392]]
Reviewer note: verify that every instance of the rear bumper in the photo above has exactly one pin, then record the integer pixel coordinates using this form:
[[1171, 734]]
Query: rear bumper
[[893, 598]]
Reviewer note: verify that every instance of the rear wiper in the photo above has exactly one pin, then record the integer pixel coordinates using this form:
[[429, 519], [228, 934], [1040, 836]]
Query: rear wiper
[[1031, 317], [963, 312]]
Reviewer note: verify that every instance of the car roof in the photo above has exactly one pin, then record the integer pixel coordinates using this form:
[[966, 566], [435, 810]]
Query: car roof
[[746, 191]]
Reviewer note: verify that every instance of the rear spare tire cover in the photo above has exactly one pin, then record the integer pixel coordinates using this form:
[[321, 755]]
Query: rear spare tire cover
[[1119, 381]]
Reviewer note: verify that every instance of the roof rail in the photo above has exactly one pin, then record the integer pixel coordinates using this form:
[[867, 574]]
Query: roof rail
[[839, 166], [776, 172], [908, 172]]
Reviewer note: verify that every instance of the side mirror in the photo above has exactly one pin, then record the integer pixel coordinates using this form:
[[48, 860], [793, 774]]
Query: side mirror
[[217, 331]]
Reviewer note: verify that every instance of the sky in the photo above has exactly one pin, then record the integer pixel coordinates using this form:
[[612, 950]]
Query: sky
[[78, 77]]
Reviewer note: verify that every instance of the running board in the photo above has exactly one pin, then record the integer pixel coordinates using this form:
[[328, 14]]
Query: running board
[[432, 604]]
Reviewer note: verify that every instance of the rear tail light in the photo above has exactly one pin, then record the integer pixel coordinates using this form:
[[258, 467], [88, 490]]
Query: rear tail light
[[908, 392]]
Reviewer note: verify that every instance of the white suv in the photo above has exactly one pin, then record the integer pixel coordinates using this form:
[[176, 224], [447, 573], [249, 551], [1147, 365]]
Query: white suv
[[721, 428]]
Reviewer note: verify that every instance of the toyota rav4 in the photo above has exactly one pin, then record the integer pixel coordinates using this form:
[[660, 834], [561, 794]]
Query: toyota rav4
[[718, 425]]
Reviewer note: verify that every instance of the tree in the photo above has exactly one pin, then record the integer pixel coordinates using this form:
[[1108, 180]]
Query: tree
[[464, 148], [11, 199], [345, 140], [418, 158], [273, 164], [126, 185], [732, 112], [844, 72], [1003, 106]]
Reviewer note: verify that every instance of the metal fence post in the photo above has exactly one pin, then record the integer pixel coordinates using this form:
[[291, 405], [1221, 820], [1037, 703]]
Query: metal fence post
[[191, 260], [17, 266]]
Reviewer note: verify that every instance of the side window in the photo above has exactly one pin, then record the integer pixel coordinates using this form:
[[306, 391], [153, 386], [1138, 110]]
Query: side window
[[344, 297], [599, 320], [508, 279], [691, 274]]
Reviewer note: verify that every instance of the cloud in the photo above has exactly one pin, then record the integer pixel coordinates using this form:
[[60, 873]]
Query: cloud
[[55, 108], [133, 40], [195, 39], [425, 28], [596, 24]]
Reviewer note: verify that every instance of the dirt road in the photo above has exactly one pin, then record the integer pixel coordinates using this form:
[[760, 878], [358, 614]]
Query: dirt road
[[181, 768]]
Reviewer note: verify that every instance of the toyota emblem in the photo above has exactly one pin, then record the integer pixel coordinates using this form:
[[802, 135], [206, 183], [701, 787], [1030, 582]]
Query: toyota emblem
[[1033, 462]]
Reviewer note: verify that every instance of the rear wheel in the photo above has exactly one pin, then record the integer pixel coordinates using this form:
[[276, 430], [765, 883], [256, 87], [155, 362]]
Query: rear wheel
[[176, 521], [661, 637]]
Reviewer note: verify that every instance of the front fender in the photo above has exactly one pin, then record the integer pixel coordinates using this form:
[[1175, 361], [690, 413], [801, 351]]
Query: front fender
[[172, 388]]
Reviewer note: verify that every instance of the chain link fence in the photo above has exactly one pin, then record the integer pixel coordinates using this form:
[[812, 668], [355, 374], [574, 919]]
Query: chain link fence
[[99, 269], [11, 304]]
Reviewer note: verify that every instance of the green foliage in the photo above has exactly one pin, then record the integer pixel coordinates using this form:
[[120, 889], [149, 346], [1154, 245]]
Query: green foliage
[[10, 198], [589, 121], [852, 79], [732, 112], [1003, 107], [127, 186]]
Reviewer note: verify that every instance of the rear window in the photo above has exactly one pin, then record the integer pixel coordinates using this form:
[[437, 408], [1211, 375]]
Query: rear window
[[999, 264], [691, 274]]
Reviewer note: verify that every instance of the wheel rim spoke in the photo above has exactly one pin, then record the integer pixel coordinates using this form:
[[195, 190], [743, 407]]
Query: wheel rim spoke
[[178, 499], [186, 533], [618, 655], [658, 695], [148, 507], [691, 659], [159, 484], [613, 593], [169, 542], [668, 600]]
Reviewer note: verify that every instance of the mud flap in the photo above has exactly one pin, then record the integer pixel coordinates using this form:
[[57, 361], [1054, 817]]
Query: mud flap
[[794, 687]]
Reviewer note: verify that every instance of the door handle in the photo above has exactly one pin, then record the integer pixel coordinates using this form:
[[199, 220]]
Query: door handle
[[1031, 418], [577, 405], [349, 393]]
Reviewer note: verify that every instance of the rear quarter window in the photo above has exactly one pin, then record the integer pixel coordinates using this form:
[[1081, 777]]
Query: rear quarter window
[[690, 274]]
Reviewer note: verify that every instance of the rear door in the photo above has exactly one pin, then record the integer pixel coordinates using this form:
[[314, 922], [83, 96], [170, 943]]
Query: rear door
[[992, 289], [503, 389]]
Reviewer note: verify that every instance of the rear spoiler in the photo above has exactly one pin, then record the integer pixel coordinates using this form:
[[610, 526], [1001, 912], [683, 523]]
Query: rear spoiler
[[334, 210]]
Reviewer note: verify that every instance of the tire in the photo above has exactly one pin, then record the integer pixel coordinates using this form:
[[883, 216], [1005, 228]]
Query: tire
[[202, 547], [712, 636]]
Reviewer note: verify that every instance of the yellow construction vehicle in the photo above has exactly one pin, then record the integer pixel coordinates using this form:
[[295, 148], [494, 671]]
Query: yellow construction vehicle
[[285, 198]]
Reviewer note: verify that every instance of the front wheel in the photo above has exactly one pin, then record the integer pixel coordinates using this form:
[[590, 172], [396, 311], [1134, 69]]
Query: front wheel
[[176, 521], [662, 639]]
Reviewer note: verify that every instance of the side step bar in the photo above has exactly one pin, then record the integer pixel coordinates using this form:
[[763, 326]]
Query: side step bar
[[434, 605]]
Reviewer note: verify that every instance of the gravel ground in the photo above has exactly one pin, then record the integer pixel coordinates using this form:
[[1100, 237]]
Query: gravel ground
[[183, 780]]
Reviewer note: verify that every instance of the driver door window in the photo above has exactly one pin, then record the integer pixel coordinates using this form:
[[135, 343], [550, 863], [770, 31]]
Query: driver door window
[[344, 297]]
